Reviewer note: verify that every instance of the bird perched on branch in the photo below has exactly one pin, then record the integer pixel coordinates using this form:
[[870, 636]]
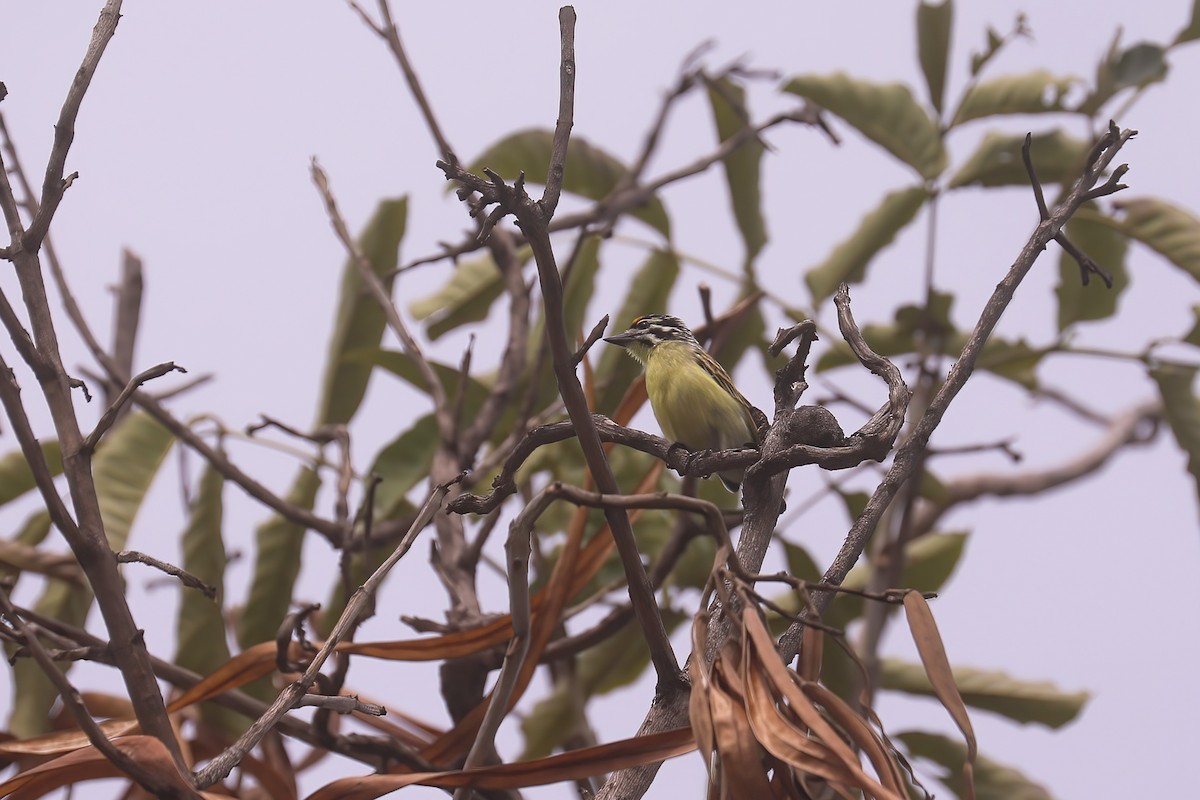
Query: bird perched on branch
[[694, 401]]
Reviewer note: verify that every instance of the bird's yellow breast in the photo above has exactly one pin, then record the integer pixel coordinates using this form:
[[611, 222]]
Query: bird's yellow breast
[[691, 407]]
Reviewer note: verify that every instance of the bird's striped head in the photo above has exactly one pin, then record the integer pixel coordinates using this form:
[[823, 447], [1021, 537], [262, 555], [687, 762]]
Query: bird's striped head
[[649, 332], [652, 330]]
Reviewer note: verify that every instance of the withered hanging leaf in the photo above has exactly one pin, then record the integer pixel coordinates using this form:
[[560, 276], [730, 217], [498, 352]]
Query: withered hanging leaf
[[937, 667]]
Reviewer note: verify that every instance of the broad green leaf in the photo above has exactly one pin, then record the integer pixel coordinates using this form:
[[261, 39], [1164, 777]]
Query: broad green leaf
[[403, 367], [994, 41], [1105, 245], [278, 544], [123, 469], [1016, 361], [648, 292], [799, 563], [1036, 92], [466, 297], [362, 565], [402, 464], [615, 662], [1192, 337], [552, 721], [1167, 229], [935, 21], [1139, 65], [31, 533], [886, 113], [1192, 31], [1057, 158], [1019, 700], [855, 503], [16, 478], [590, 171], [848, 262], [360, 321], [929, 561], [1182, 409], [749, 333], [743, 166], [993, 781], [200, 625], [621, 658], [578, 286]]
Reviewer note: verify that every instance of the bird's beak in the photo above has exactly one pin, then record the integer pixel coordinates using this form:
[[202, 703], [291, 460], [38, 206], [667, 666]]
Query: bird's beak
[[621, 339]]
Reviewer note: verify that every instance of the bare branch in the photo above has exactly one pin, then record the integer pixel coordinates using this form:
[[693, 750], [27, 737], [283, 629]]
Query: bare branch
[[185, 577], [159, 785], [113, 411], [219, 767]]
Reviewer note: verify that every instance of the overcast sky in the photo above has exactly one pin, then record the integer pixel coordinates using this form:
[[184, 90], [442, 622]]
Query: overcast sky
[[193, 149]]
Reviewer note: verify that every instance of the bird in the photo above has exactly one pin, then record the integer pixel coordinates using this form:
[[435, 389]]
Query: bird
[[693, 398]]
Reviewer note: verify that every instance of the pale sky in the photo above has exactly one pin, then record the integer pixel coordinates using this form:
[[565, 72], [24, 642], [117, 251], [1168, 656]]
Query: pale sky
[[193, 148]]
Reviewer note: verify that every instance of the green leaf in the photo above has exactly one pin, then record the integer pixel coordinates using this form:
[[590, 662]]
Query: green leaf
[[886, 113], [123, 469], [1019, 700], [742, 166], [590, 171], [848, 262], [993, 781], [648, 293], [360, 321], [615, 662], [466, 297], [278, 544], [405, 368], [1192, 337], [799, 563], [935, 21], [1057, 158], [1105, 245], [16, 478], [1142, 64], [1036, 92], [578, 286], [1139, 65], [552, 721], [1192, 31], [1015, 361], [1182, 409], [402, 464], [991, 47], [1167, 229], [362, 565], [200, 625], [929, 561]]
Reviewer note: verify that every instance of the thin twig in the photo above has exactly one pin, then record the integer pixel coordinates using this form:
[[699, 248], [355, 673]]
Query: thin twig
[[185, 577], [160, 785], [219, 767], [909, 455], [112, 413]]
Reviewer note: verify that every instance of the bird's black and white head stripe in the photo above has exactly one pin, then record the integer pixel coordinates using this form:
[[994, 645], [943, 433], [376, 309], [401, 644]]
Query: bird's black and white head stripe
[[656, 328]]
